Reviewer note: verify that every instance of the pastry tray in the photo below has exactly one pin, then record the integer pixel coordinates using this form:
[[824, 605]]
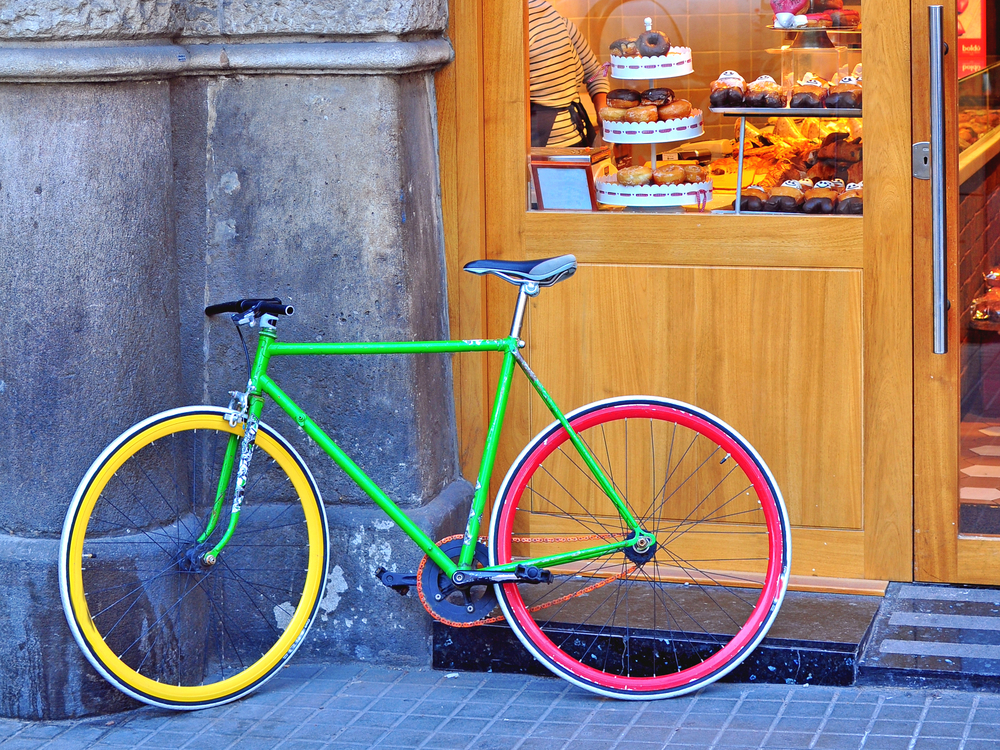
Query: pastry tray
[[611, 193], [828, 29], [785, 112], [677, 62], [662, 131]]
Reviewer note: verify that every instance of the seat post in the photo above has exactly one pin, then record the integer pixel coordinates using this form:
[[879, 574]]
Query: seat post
[[527, 289]]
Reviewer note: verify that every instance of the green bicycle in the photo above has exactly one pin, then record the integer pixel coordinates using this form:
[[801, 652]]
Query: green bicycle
[[638, 546]]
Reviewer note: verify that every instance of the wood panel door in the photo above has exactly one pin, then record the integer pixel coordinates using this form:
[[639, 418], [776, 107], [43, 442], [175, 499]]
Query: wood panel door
[[796, 330]]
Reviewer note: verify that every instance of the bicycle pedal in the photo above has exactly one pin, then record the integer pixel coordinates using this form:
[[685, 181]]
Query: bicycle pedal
[[531, 574], [398, 582]]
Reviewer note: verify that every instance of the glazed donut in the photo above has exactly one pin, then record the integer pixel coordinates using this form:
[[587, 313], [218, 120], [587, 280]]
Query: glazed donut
[[635, 176], [651, 43], [695, 173], [623, 48], [668, 175], [765, 92], [728, 90], [657, 97], [676, 108], [641, 114], [612, 114], [623, 98]]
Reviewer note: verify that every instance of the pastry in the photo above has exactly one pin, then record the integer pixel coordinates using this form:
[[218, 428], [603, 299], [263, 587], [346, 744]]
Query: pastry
[[845, 94], [634, 176], [669, 175], [821, 199], [764, 92], [623, 98], [822, 170], [624, 48], [728, 90], [852, 199], [754, 198], [987, 307], [845, 19], [676, 108], [641, 114], [856, 172], [992, 277], [810, 92], [789, 6], [612, 114], [656, 97], [839, 148], [787, 197], [695, 173], [822, 5], [652, 43]]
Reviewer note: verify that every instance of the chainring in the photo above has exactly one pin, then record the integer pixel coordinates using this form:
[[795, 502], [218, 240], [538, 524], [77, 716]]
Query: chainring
[[445, 600]]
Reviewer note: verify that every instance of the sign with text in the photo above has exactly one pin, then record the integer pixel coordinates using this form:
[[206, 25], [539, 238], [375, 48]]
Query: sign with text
[[971, 37]]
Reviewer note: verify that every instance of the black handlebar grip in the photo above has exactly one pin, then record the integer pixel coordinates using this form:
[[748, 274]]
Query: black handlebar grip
[[272, 306]]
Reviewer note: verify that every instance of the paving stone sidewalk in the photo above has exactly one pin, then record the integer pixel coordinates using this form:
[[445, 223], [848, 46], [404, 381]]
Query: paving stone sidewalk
[[309, 707]]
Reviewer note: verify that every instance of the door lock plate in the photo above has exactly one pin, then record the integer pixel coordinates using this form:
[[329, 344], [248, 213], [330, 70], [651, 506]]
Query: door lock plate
[[922, 160]]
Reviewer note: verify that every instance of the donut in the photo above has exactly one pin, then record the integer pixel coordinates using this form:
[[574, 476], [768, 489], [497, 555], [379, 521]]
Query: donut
[[676, 108], [852, 201], [623, 48], [651, 43], [612, 114], [635, 176], [695, 173], [623, 98], [657, 97], [846, 94], [668, 175], [809, 93], [641, 114]]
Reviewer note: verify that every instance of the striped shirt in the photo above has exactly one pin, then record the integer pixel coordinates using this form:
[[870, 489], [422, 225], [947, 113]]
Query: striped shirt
[[560, 60]]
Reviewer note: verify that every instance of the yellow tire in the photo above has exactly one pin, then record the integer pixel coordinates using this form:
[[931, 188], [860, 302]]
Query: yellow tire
[[156, 624]]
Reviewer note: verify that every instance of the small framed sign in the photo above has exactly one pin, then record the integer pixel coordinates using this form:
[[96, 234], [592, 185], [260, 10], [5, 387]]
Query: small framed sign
[[564, 185]]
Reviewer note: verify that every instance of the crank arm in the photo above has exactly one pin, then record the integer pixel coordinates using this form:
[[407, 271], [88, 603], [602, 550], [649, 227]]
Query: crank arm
[[522, 574]]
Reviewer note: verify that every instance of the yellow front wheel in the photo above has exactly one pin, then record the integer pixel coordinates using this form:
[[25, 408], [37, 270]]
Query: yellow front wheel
[[157, 624]]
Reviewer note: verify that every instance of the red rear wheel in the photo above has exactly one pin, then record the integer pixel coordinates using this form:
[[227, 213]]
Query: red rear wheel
[[679, 616]]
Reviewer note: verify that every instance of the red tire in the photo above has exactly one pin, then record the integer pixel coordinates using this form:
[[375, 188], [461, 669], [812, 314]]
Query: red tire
[[685, 613]]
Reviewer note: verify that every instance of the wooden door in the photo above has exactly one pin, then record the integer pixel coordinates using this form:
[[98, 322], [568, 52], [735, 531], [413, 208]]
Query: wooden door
[[795, 330], [956, 488]]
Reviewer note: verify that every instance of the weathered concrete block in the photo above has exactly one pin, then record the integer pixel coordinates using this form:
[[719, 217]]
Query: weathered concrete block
[[74, 19], [87, 248], [356, 18], [316, 192]]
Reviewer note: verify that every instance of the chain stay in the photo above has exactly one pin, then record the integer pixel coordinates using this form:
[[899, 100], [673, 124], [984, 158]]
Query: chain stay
[[537, 607]]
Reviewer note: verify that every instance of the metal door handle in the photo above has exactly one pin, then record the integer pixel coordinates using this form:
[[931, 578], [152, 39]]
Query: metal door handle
[[937, 164]]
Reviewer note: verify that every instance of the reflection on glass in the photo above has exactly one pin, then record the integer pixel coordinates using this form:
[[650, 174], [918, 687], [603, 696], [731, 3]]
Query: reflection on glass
[[645, 148], [979, 289]]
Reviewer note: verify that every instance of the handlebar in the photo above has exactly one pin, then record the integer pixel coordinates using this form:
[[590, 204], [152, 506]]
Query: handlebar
[[272, 306]]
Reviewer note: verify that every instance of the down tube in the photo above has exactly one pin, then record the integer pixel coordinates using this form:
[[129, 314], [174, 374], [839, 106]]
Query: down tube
[[356, 473]]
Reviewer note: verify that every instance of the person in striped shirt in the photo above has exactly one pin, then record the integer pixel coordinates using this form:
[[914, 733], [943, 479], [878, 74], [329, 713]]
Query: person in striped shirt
[[559, 61]]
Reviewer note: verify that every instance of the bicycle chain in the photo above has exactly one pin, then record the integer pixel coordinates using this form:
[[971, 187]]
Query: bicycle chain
[[535, 608]]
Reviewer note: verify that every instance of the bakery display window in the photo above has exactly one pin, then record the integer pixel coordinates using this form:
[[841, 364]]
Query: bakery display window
[[682, 106]]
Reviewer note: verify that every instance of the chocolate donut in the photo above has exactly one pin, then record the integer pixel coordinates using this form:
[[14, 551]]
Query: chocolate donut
[[623, 98], [658, 97], [623, 48], [754, 198], [728, 90], [651, 43]]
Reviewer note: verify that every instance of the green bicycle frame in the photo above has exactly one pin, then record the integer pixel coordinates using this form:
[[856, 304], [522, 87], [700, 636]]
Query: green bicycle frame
[[261, 384]]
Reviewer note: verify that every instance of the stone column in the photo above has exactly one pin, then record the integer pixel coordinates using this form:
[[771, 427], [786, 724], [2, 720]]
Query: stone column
[[150, 166]]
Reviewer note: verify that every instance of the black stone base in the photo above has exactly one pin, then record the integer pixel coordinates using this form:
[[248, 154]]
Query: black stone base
[[815, 640]]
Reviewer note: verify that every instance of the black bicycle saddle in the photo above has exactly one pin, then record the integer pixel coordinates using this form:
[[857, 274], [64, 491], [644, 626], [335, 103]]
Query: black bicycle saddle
[[544, 272]]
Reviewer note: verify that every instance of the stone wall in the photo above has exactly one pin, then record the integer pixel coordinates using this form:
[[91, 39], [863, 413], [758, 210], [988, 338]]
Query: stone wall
[[242, 149]]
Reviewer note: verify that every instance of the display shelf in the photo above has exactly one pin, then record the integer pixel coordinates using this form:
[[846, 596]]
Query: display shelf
[[828, 29], [785, 112], [676, 63], [663, 131], [611, 193]]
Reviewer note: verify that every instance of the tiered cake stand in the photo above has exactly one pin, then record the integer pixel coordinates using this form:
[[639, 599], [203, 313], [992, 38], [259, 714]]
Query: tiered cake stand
[[676, 63]]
